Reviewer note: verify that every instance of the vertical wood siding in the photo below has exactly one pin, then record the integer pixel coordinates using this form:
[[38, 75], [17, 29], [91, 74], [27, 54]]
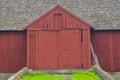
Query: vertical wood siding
[[59, 49], [12, 51], [86, 49], [69, 49], [116, 51], [107, 47], [58, 40]]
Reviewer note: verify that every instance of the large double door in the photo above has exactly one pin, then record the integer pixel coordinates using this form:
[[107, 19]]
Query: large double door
[[57, 49]]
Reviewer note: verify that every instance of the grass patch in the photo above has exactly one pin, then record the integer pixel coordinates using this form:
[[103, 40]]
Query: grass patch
[[85, 76], [75, 76]]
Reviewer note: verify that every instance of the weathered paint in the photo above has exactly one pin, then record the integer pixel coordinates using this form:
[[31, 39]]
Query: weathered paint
[[86, 49], [58, 18], [107, 48], [59, 49], [116, 51], [69, 49], [12, 51], [58, 40], [55, 25], [46, 49]]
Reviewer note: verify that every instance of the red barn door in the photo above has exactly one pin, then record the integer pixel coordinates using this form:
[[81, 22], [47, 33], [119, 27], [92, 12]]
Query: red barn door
[[69, 49], [57, 49], [46, 50]]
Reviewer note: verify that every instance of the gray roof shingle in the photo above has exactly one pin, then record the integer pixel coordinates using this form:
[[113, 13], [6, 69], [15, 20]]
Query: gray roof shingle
[[100, 14]]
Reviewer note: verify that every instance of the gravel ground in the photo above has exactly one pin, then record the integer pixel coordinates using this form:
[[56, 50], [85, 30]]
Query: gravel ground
[[5, 76]]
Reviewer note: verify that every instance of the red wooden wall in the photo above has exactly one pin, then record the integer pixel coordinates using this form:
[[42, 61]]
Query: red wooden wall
[[59, 49], [58, 40], [12, 51], [107, 47], [63, 37]]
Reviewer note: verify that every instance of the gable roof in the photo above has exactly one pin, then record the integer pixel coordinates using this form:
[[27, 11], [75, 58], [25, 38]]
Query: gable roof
[[58, 18], [100, 14]]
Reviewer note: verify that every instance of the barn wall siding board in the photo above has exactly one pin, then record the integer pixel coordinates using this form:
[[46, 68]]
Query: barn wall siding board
[[100, 39], [28, 53], [86, 49], [106, 46], [12, 51], [31, 55], [116, 51]]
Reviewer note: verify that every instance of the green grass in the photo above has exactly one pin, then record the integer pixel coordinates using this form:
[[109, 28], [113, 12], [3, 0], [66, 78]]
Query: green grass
[[85, 76], [74, 76]]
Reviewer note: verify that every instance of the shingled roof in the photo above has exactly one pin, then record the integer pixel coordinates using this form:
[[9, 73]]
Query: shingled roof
[[100, 14]]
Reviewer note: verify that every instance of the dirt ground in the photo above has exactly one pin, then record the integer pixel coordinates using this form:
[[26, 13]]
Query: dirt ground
[[5, 76], [115, 75]]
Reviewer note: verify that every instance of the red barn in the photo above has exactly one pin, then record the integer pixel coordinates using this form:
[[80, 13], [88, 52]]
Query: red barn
[[60, 37]]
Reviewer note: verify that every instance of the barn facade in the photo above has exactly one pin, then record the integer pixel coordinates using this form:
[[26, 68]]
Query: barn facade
[[59, 38]]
